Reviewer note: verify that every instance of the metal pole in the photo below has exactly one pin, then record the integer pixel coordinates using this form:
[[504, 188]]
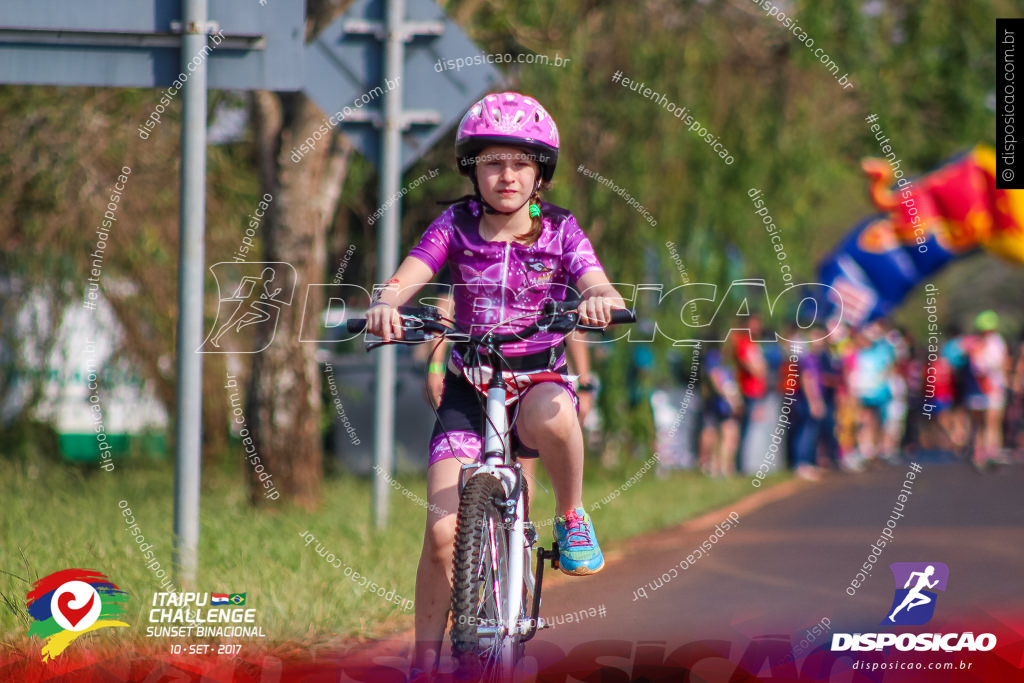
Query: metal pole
[[387, 254], [190, 293]]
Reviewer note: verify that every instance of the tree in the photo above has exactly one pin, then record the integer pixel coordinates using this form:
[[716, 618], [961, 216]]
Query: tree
[[285, 384], [58, 165]]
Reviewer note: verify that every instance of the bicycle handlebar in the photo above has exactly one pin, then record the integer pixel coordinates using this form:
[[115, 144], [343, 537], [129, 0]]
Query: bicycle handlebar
[[620, 316], [419, 322], [428, 317]]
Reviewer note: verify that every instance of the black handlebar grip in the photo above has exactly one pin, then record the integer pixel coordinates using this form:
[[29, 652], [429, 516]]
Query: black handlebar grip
[[359, 324], [556, 307], [620, 316], [623, 316]]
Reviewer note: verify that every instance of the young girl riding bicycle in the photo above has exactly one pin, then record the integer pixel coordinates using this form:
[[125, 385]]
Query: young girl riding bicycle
[[507, 252]]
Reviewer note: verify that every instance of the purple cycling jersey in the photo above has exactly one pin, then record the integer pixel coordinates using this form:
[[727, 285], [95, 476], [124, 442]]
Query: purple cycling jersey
[[506, 282]]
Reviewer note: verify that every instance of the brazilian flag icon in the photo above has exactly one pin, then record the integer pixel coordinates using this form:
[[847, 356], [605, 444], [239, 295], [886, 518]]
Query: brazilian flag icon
[[237, 598]]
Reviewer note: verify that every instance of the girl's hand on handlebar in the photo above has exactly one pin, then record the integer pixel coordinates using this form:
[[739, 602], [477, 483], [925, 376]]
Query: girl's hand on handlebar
[[384, 321], [597, 311]]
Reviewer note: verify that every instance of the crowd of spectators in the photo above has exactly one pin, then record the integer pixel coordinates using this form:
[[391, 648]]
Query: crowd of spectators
[[858, 397]]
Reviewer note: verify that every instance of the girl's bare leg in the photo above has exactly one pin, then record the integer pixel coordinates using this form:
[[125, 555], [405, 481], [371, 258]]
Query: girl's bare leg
[[547, 423], [434, 576]]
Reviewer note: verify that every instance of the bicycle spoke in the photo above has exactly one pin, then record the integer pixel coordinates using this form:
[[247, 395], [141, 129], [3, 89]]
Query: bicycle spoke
[[496, 573], [487, 637]]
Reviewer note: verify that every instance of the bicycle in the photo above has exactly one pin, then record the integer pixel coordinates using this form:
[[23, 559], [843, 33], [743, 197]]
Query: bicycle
[[492, 583]]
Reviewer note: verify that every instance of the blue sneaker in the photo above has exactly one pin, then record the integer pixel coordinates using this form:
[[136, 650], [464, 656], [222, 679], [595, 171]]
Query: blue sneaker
[[579, 553]]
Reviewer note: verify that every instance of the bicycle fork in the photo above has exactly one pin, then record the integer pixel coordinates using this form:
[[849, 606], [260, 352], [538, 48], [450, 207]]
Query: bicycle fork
[[497, 462]]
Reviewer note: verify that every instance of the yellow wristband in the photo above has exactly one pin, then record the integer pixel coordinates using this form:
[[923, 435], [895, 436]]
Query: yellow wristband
[[436, 368]]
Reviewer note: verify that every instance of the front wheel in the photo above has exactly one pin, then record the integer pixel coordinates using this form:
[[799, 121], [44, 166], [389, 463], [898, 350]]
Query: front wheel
[[480, 584]]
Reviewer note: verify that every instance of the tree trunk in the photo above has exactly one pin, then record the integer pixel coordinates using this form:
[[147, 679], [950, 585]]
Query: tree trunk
[[284, 390]]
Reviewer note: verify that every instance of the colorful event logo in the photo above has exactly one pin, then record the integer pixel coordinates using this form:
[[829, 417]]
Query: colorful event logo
[[914, 601], [71, 602]]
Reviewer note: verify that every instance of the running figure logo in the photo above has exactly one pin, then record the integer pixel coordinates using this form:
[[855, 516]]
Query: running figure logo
[[914, 602], [262, 290]]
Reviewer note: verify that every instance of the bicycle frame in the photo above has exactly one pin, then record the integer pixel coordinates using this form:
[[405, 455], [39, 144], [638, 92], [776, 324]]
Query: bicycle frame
[[497, 462]]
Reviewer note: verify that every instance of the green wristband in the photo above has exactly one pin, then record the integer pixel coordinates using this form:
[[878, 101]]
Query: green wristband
[[436, 368]]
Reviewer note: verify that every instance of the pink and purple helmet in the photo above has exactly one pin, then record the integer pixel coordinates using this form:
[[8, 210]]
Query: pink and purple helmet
[[508, 118]]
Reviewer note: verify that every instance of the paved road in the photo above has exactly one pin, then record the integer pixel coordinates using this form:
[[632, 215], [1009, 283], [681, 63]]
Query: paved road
[[788, 564], [783, 571]]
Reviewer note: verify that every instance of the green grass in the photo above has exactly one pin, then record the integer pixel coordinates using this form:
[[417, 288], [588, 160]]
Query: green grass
[[61, 517]]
